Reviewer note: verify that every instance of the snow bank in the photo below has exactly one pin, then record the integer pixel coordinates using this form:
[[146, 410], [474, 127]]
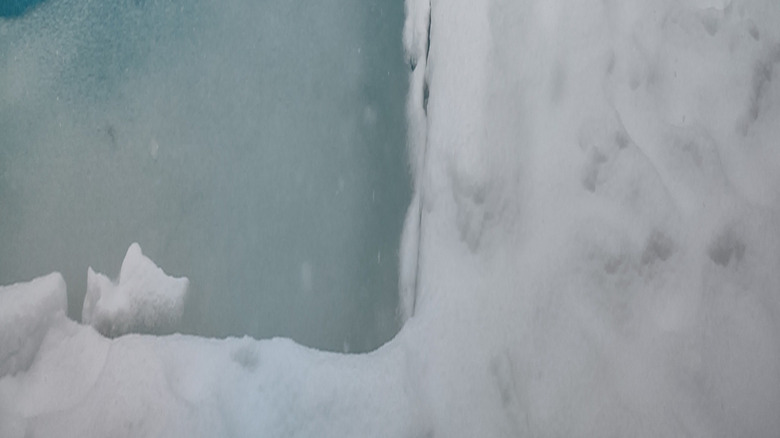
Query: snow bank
[[84, 385], [26, 312], [600, 228], [143, 300]]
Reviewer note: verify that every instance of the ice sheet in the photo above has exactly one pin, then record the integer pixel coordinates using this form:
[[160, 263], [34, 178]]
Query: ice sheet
[[241, 144]]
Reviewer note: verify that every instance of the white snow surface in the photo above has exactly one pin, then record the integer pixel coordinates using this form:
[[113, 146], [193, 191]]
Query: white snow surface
[[596, 240], [27, 311], [142, 300]]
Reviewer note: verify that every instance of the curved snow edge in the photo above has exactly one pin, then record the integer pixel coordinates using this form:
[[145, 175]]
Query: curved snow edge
[[27, 310]]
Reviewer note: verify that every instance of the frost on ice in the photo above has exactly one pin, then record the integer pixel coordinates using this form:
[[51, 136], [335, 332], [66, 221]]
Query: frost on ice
[[142, 300]]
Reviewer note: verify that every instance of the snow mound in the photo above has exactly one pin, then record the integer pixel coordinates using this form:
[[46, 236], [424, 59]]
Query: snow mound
[[143, 300], [26, 312], [85, 385]]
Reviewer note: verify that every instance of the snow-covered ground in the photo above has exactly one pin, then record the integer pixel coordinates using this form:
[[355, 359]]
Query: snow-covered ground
[[593, 249]]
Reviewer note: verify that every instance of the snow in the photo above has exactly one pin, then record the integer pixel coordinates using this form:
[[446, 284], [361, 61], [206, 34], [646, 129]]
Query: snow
[[27, 310], [86, 385], [143, 300], [592, 250]]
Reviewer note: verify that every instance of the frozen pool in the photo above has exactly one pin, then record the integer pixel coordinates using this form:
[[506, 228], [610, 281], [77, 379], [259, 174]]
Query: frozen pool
[[254, 147]]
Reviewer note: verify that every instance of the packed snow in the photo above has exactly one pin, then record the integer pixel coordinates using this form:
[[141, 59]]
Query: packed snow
[[27, 311], [142, 300], [592, 250]]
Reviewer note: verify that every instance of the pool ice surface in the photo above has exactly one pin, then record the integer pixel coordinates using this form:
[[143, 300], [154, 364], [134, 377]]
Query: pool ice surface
[[242, 145]]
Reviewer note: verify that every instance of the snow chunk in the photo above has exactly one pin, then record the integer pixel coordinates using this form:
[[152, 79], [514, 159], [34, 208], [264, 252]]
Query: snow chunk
[[26, 313], [143, 300]]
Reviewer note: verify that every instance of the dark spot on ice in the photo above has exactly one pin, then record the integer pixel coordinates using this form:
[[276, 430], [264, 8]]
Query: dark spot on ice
[[589, 180], [658, 247], [612, 264], [430, 18], [426, 93], [413, 63], [709, 19], [502, 370], [726, 247], [764, 72], [622, 139], [634, 82], [590, 175], [246, 357], [17, 8], [111, 133], [762, 76], [693, 150], [753, 31], [611, 63]]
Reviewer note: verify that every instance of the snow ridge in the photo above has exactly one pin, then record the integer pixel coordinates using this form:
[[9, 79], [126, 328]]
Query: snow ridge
[[143, 299]]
